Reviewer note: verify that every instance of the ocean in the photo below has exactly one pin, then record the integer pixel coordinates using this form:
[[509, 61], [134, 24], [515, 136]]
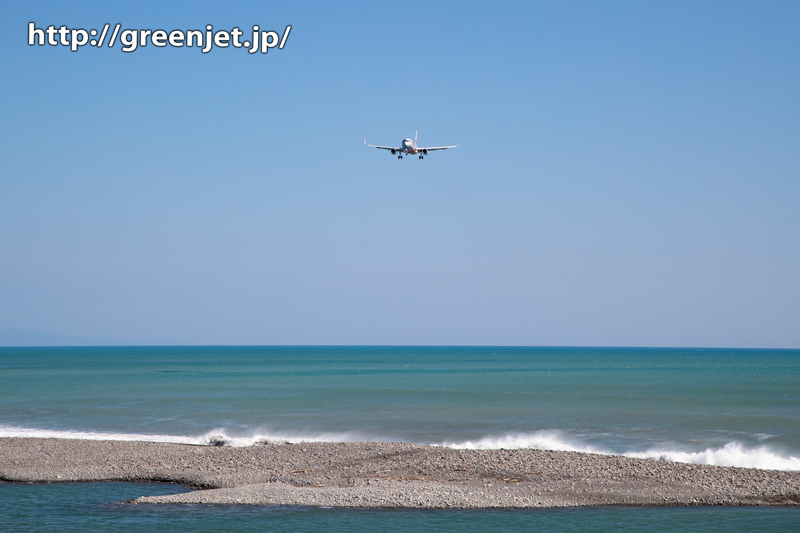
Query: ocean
[[713, 406]]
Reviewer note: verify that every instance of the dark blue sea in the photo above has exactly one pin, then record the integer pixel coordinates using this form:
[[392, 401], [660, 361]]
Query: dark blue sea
[[713, 406]]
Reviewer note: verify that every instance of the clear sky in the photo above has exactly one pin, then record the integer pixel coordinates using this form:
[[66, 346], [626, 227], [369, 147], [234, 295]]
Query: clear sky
[[628, 175]]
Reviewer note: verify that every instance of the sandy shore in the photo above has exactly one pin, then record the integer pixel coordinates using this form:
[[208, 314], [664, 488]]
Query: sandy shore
[[369, 474]]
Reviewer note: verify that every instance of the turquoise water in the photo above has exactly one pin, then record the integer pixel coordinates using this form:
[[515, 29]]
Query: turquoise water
[[734, 407], [739, 407]]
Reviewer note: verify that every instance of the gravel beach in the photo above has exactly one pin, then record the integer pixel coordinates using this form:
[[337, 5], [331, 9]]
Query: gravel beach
[[392, 475]]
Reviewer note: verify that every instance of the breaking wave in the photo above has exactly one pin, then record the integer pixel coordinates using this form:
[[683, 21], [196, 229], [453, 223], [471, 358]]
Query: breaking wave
[[215, 437], [13, 431], [731, 454], [539, 440]]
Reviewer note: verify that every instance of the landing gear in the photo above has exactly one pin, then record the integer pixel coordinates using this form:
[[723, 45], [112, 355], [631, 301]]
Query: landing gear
[[399, 157], [420, 157]]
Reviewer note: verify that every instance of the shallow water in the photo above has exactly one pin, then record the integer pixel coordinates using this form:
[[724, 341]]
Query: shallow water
[[93, 507]]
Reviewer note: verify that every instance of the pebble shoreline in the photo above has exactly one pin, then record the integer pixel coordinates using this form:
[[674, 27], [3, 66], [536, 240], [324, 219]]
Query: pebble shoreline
[[392, 475]]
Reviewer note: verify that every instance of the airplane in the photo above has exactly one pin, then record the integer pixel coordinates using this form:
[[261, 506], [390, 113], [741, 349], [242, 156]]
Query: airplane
[[410, 147]]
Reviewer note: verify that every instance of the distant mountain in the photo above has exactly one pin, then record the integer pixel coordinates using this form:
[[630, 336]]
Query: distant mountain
[[21, 337]]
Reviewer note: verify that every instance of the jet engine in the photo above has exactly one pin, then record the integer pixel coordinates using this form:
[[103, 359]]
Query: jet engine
[[394, 151], [425, 151]]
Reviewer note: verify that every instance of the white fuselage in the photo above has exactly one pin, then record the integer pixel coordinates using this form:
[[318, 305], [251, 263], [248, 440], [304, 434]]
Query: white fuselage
[[409, 146]]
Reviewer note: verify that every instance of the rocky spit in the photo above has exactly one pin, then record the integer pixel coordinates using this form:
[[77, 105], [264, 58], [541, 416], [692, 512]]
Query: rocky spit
[[391, 475]]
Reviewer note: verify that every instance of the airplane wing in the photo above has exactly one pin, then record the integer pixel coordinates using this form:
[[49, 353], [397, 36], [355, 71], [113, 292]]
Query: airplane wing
[[434, 148], [384, 147]]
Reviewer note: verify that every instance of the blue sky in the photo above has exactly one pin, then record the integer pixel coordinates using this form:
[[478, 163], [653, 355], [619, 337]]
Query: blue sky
[[628, 175]]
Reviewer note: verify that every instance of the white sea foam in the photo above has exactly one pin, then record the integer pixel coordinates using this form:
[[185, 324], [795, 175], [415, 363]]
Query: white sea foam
[[540, 440], [217, 436], [220, 436], [13, 431], [731, 454]]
